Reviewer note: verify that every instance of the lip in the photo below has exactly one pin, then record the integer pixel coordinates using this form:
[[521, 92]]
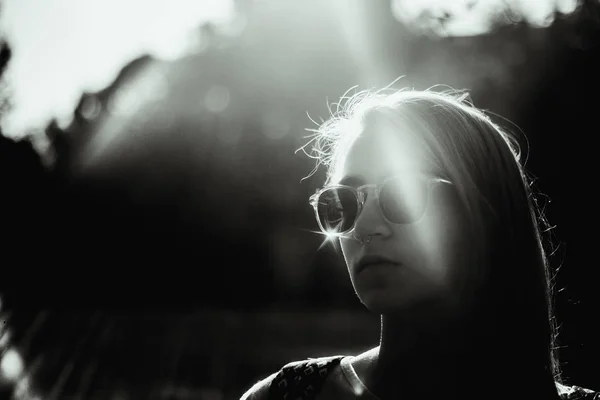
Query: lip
[[372, 259]]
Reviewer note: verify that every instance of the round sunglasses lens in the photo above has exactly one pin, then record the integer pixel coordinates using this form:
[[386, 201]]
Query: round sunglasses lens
[[337, 208], [404, 200]]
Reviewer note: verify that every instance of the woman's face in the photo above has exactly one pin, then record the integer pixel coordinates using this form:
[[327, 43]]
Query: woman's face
[[422, 255]]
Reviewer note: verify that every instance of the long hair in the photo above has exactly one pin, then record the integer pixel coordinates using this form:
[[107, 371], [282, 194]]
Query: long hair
[[509, 274]]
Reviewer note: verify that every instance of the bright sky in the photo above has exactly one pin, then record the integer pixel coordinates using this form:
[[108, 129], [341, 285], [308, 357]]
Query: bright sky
[[62, 48], [475, 17]]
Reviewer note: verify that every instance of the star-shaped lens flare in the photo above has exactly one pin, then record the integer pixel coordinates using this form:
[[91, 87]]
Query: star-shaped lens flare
[[329, 237]]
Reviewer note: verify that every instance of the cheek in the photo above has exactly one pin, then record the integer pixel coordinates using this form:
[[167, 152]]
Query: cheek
[[439, 240], [350, 249]]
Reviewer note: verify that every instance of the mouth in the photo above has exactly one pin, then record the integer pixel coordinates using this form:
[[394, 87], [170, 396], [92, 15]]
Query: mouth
[[370, 261]]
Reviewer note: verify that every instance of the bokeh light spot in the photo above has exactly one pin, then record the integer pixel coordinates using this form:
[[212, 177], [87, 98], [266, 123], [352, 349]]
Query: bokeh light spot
[[11, 366]]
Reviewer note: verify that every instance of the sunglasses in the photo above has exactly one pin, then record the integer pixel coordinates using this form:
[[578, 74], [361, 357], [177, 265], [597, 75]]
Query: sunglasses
[[403, 199]]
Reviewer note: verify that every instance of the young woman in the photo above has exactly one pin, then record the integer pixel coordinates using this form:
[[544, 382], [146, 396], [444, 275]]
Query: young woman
[[440, 231]]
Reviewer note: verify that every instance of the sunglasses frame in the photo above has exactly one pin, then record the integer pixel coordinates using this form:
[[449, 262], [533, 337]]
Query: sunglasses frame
[[361, 197]]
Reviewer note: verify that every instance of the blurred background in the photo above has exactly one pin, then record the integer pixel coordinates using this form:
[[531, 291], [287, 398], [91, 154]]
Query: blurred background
[[156, 236]]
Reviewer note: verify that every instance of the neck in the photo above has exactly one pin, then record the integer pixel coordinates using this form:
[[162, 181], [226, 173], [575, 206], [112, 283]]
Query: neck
[[418, 355]]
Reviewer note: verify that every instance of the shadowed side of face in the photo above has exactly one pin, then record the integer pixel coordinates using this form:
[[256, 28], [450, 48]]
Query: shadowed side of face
[[404, 265]]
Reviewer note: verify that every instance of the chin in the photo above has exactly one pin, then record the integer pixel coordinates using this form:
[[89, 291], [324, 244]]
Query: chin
[[382, 302]]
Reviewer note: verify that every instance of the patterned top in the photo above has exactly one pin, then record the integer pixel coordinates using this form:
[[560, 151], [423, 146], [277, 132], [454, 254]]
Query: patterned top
[[335, 378], [576, 393]]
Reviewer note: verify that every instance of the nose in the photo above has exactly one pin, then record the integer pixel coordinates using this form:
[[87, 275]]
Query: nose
[[371, 221]]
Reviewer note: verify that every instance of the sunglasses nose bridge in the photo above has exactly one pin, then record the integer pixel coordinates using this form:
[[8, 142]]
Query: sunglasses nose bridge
[[364, 194], [361, 195]]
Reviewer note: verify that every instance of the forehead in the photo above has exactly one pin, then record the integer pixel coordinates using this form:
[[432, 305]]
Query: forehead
[[384, 150]]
